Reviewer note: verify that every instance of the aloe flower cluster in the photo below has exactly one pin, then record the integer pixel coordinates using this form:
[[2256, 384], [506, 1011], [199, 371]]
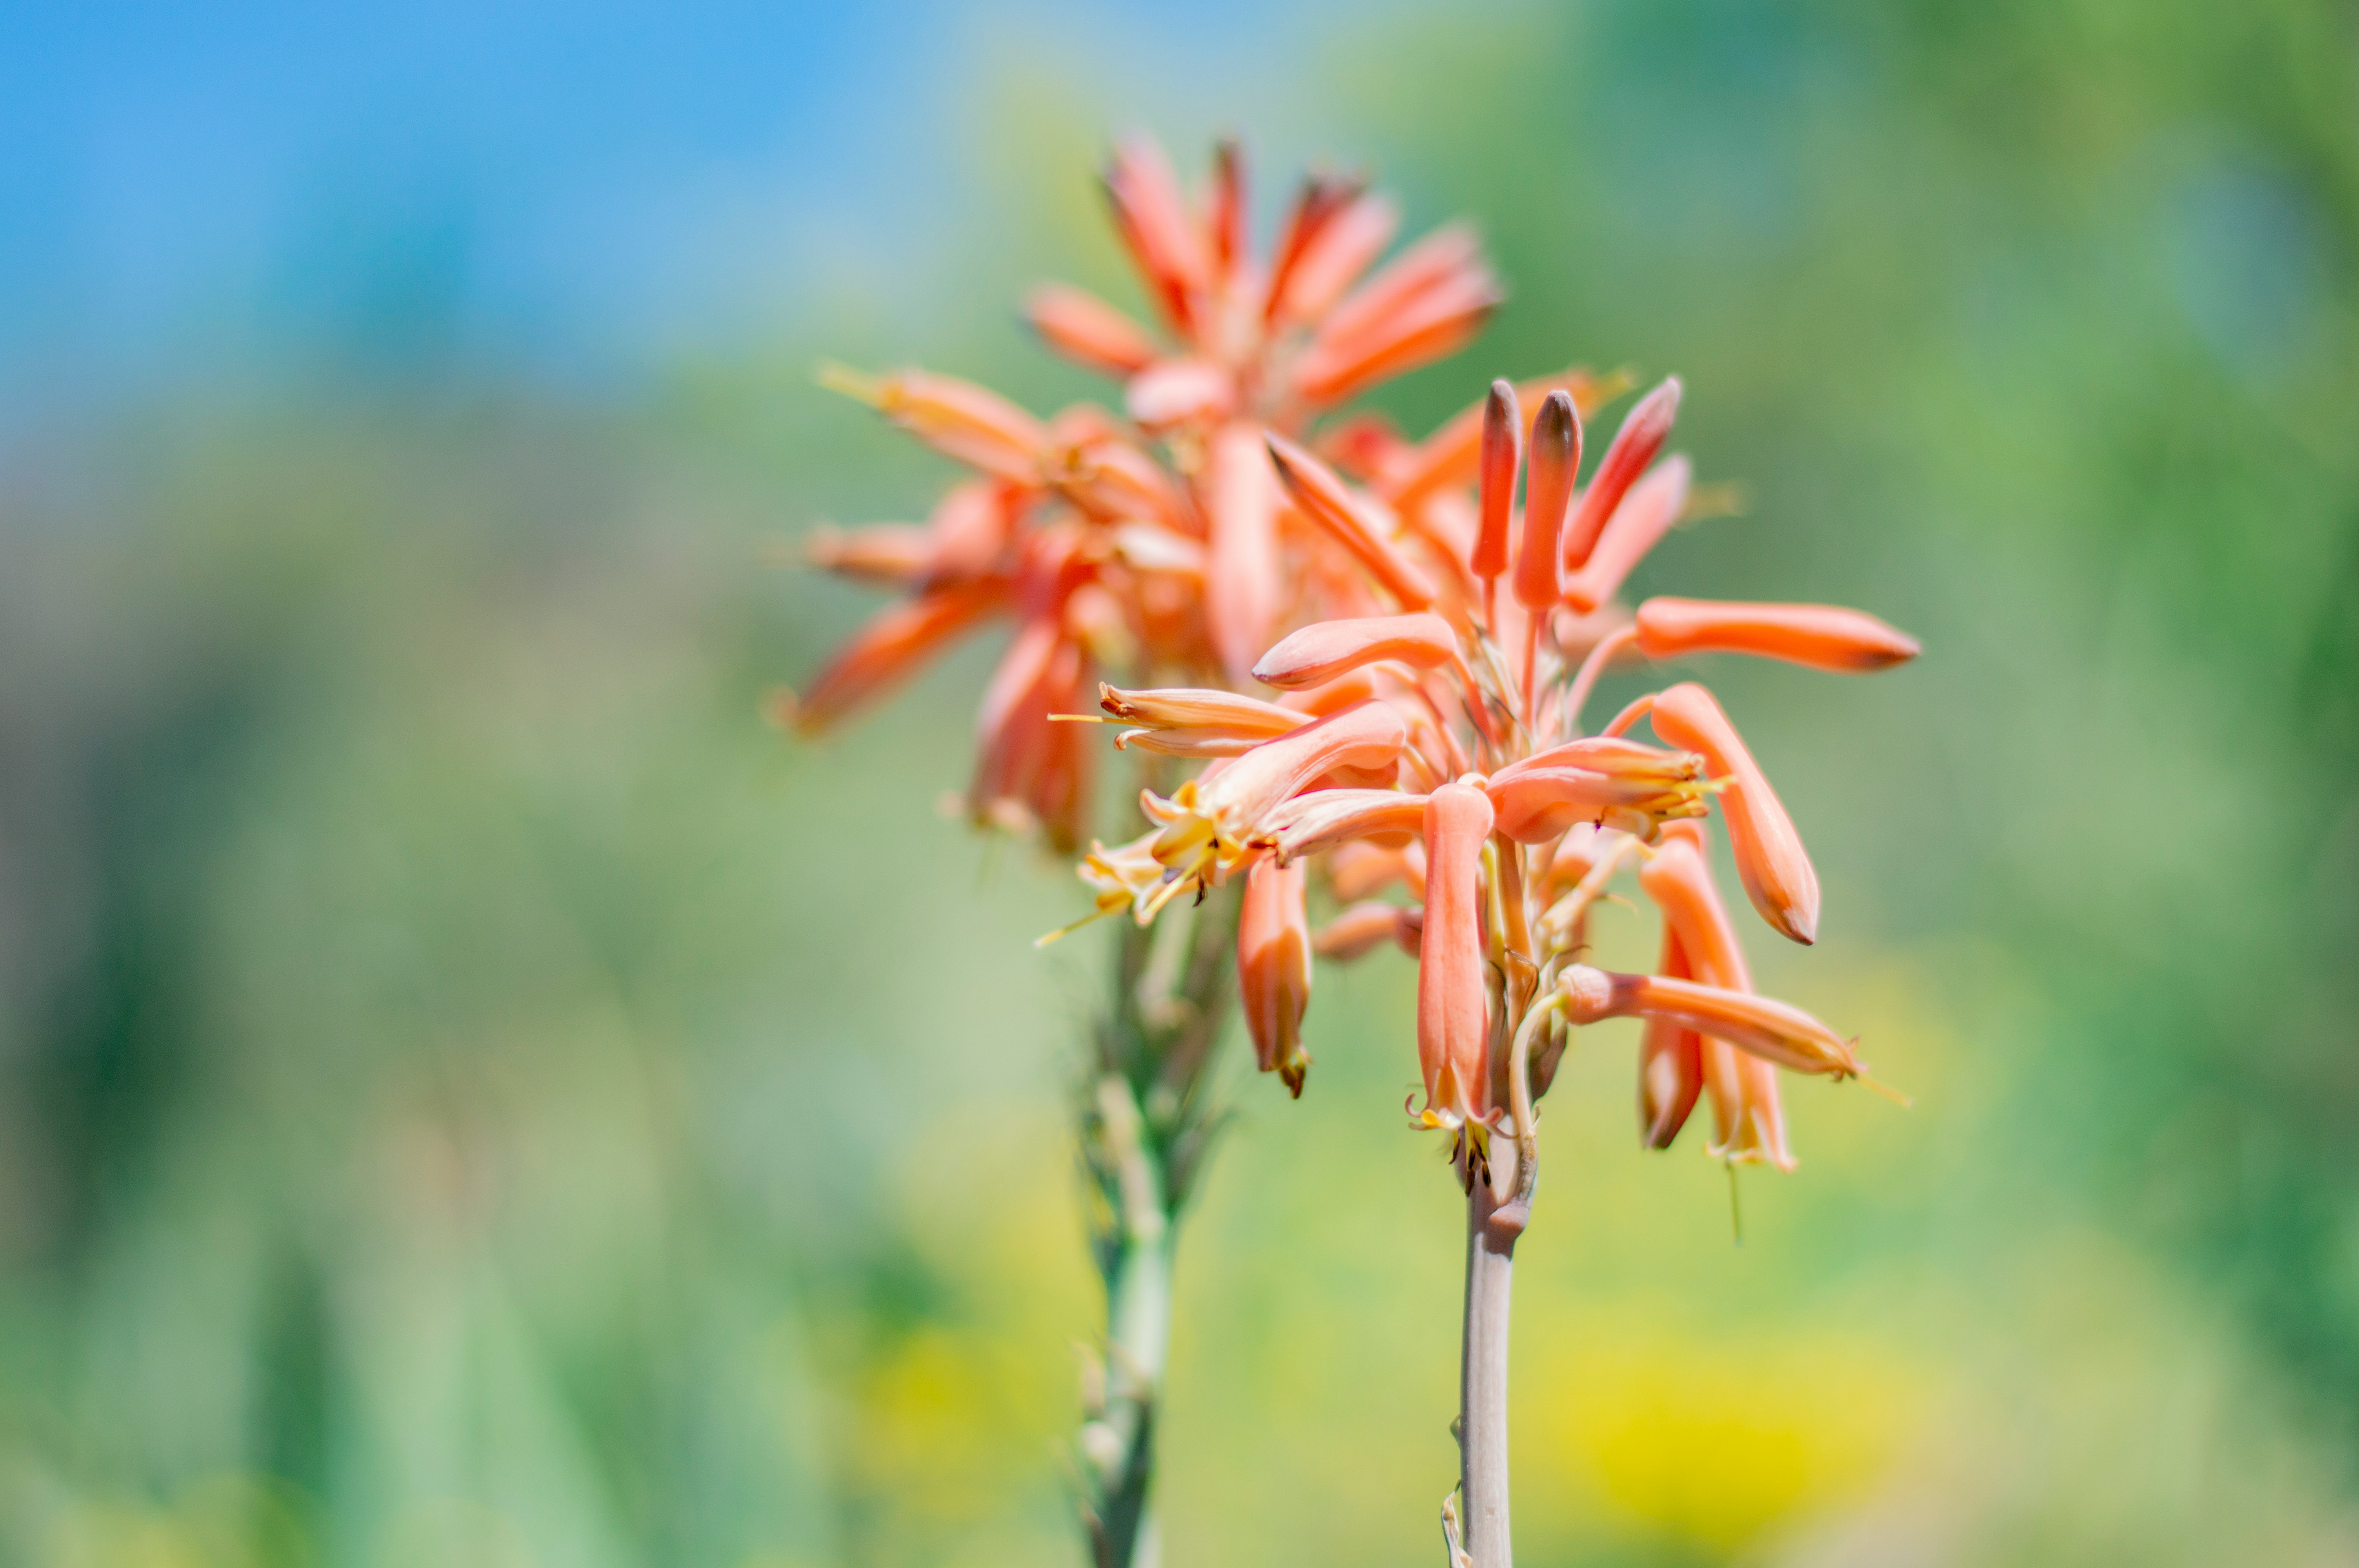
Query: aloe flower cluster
[[1156, 540], [1438, 745]]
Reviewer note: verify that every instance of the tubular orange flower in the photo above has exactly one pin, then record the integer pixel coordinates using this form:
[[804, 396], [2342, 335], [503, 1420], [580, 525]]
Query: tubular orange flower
[[1671, 1062], [1323, 818], [1771, 1029], [1635, 445], [886, 649], [1539, 799], [1821, 636], [1359, 868], [1363, 927], [1502, 439], [1274, 967], [1327, 501], [1152, 217], [1317, 653], [1088, 330], [957, 418], [1207, 825], [1452, 1029], [1195, 721], [1242, 592], [891, 554], [1638, 525], [1771, 858], [1548, 489]]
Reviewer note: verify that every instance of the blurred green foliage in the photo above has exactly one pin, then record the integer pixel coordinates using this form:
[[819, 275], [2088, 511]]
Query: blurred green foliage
[[470, 1094]]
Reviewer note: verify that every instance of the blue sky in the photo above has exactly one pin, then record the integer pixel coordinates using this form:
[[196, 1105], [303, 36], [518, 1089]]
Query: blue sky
[[571, 188]]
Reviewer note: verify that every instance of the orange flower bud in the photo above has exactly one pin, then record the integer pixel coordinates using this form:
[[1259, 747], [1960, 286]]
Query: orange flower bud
[[1242, 592], [1670, 1064], [973, 423], [1502, 439], [1360, 868], [1088, 330], [1274, 968], [1544, 795], [1554, 460], [1362, 928], [1428, 302], [1771, 858], [1321, 652], [1452, 455], [1199, 708], [888, 649], [1772, 1030], [1321, 818], [1179, 391], [1337, 233], [1635, 445], [1157, 228], [1451, 995], [1822, 636], [891, 554], [1325, 499], [1637, 526]]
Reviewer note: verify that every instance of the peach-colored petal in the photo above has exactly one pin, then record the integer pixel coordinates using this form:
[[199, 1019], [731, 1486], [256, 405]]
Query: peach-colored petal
[[1638, 525], [1670, 1064], [1174, 707], [1774, 1031], [1361, 928], [1538, 805], [1452, 455], [1157, 228], [1776, 869], [889, 647], [1362, 345], [1822, 636], [1242, 593], [1088, 330], [1501, 455], [1321, 818], [1325, 499], [1635, 445], [1274, 968], [1550, 468], [891, 554], [1174, 393], [1326, 649], [1359, 869], [973, 423], [1451, 996], [1350, 233]]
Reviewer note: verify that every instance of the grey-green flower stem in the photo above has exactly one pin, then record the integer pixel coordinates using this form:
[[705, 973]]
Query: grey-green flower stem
[[1146, 1126]]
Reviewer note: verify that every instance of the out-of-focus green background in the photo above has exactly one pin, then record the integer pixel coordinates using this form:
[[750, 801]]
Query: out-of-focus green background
[[471, 1094]]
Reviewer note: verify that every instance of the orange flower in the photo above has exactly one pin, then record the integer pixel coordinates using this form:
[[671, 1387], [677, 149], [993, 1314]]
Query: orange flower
[[1554, 460], [1678, 878], [1635, 445], [1317, 653], [1274, 967], [1770, 855], [1671, 1061], [1452, 1029], [1774, 1031], [1822, 636]]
